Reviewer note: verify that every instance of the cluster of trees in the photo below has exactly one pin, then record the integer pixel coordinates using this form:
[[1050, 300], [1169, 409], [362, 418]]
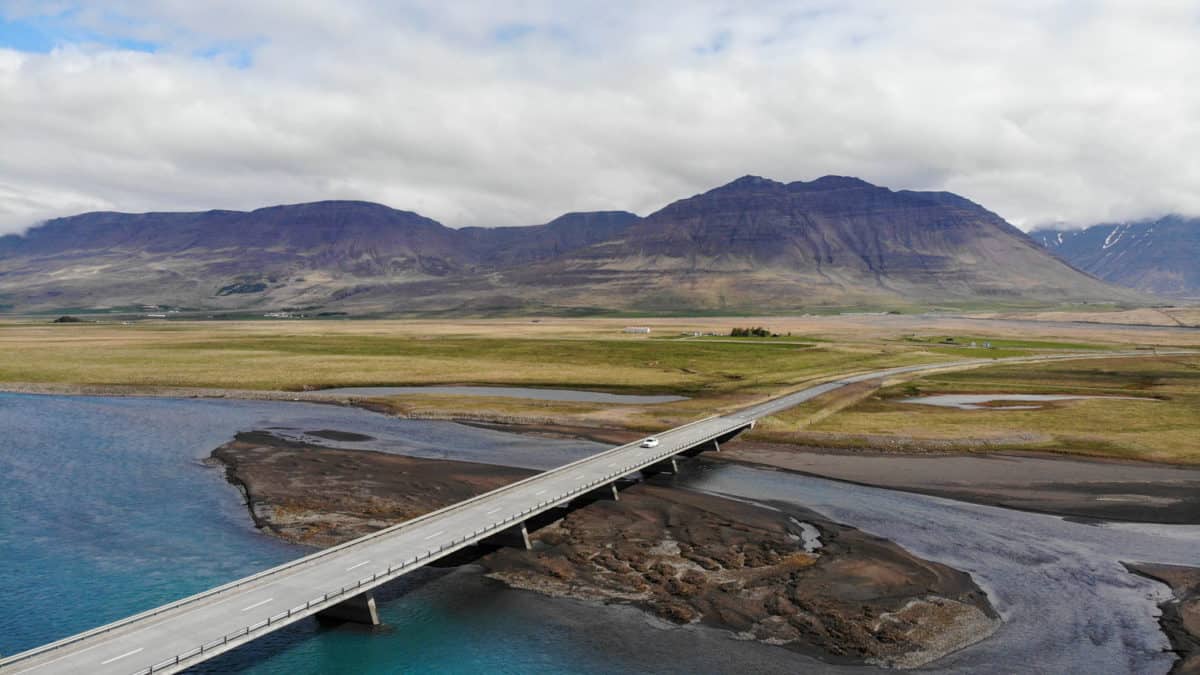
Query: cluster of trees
[[757, 331]]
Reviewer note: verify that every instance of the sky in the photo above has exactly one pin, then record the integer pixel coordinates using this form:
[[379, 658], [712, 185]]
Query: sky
[[489, 113]]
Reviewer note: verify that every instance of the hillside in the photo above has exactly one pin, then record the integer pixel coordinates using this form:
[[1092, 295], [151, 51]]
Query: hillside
[[751, 245], [1160, 256]]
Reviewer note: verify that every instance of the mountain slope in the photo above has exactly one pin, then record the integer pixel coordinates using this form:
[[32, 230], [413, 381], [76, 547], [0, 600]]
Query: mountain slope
[[1160, 256], [758, 243]]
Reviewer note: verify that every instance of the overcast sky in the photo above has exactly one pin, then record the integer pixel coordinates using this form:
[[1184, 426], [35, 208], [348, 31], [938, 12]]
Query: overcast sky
[[1072, 111]]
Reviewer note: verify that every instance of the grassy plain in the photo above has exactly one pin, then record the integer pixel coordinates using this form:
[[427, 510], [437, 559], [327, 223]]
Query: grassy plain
[[719, 374], [1162, 425]]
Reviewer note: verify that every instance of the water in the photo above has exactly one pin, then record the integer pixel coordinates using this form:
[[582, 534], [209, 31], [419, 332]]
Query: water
[[508, 392], [107, 511], [1068, 604], [976, 401]]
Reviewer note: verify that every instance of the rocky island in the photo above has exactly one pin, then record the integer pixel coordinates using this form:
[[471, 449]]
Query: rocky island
[[775, 574]]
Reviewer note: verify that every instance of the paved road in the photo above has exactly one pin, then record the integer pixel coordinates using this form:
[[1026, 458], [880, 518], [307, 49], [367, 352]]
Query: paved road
[[184, 633]]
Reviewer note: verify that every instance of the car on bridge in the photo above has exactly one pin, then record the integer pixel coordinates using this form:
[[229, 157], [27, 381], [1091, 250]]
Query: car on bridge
[[651, 442]]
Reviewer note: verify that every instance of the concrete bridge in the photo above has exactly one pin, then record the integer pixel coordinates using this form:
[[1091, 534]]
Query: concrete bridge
[[337, 582]]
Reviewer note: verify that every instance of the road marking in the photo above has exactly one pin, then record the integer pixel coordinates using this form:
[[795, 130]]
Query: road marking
[[126, 635], [257, 604], [354, 567], [539, 493], [578, 477], [492, 511], [435, 534], [118, 658], [614, 464]]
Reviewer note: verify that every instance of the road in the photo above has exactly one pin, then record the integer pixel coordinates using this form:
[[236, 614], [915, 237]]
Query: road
[[184, 633]]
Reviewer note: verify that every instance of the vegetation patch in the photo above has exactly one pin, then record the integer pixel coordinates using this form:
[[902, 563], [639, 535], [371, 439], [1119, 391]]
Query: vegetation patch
[[242, 287], [1164, 428]]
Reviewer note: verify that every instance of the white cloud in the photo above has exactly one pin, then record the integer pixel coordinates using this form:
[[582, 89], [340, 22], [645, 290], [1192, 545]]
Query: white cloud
[[477, 115]]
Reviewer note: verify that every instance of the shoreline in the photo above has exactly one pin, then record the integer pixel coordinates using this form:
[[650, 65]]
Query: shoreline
[[1180, 619]]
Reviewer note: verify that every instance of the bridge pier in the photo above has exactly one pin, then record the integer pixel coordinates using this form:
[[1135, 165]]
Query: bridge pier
[[516, 536], [609, 490], [713, 445], [358, 609], [668, 465]]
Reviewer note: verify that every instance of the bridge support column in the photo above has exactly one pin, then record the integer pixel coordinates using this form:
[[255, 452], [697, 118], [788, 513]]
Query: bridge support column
[[609, 490], [665, 466], [703, 447], [358, 609], [516, 536]]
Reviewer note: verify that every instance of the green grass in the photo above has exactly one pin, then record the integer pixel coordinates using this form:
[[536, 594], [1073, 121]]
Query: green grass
[[312, 355], [1165, 428], [964, 341]]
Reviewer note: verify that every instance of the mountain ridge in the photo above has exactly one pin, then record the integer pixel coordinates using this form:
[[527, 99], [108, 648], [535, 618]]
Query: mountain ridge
[[751, 244]]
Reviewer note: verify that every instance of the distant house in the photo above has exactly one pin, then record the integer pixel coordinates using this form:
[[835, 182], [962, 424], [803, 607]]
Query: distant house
[[642, 330]]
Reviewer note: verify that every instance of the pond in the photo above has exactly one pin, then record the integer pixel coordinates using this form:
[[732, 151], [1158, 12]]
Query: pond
[[979, 401]]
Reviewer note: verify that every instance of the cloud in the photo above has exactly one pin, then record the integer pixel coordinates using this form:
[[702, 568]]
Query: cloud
[[475, 114]]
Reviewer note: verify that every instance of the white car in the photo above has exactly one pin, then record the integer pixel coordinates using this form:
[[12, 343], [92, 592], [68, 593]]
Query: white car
[[651, 442]]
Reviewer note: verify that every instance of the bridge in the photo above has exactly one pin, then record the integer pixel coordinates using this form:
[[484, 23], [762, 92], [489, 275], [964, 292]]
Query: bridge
[[337, 582]]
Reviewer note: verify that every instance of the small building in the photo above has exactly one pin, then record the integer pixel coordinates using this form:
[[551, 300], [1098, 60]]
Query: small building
[[640, 330]]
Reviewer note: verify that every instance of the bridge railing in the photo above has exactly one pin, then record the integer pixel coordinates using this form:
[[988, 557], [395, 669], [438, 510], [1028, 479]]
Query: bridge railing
[[366, 583], [245, 581]]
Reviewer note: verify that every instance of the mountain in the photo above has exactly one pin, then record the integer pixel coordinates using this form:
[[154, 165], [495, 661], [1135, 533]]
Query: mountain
[[1160, 256], [753, 244], [296, 255], [761, 244]]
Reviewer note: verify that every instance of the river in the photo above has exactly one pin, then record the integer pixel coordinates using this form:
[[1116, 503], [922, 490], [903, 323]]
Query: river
[[107, 510]]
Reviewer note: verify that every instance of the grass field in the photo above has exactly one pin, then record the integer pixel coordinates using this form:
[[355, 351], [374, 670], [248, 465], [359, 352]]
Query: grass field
[[200, 355], [1166, 427], [719, 374]]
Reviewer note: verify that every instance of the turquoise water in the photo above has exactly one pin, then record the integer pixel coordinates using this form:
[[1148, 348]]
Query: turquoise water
[[107, 510]]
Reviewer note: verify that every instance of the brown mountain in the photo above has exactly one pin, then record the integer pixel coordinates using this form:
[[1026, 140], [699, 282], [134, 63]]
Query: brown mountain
[[752, 245]]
